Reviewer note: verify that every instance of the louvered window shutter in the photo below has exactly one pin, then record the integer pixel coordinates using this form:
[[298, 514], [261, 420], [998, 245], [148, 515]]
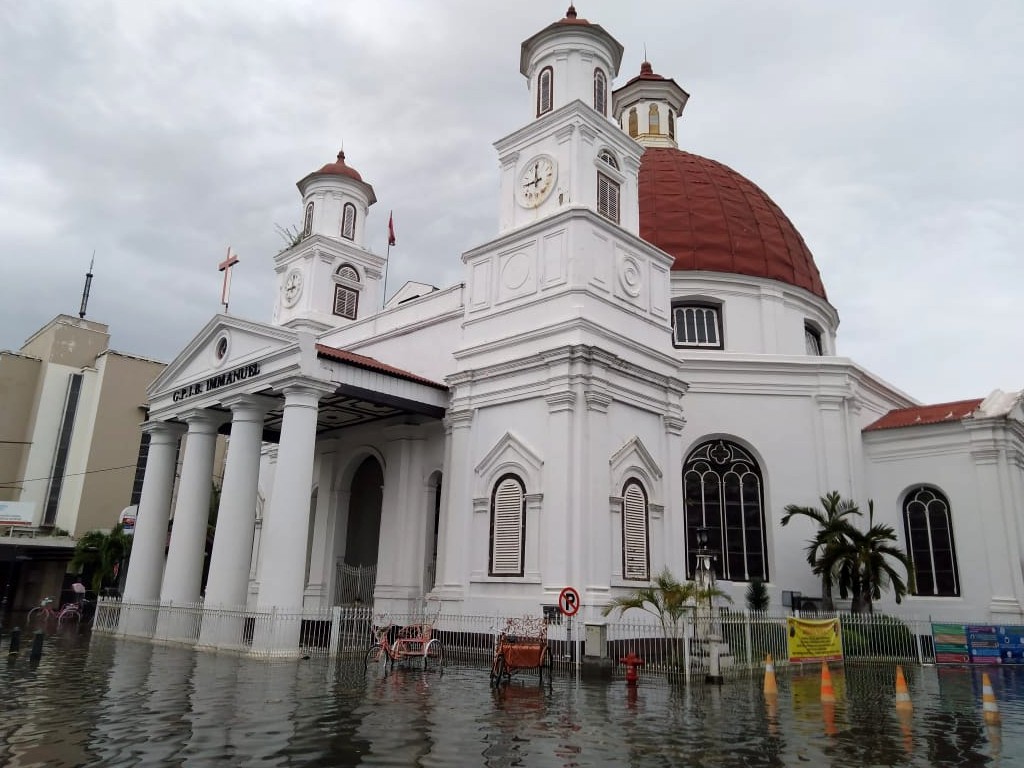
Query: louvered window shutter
[[348, 223], [346, 302], [634, 533], [507, 529], [607, 198]]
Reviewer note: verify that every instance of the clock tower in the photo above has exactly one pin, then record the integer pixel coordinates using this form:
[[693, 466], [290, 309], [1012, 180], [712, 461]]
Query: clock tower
[[570, 153], [326, 277]]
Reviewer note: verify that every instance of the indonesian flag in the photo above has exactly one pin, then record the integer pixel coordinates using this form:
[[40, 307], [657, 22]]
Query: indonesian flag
[[391, 228]]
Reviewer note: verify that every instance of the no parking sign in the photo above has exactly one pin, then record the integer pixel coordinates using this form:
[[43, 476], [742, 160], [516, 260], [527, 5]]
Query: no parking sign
[[569, 601]]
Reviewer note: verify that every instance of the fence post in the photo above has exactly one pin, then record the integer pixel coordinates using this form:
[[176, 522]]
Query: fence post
[[335, 631], [750, 638], [686, 651]]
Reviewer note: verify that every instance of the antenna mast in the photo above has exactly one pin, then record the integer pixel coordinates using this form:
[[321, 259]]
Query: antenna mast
[[88, 285]]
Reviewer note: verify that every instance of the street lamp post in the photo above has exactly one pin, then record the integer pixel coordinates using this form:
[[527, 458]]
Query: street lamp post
[[706, 580]]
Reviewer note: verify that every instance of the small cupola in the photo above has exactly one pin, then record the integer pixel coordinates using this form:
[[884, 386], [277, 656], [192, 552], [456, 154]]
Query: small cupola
[[568, 60], [649, 106], [335, 202]]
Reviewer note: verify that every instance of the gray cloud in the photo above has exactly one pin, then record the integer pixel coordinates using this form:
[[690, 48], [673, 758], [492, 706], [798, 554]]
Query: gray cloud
[[159, 133]]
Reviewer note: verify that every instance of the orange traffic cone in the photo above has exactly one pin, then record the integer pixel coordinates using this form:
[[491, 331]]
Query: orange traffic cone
[[903, 702], [989, 705], [828, 696], [771, 688]]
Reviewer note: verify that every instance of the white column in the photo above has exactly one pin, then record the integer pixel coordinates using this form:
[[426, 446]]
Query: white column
[[184, 572], [228, 581], [400, 558], [672, 551], [286, 528], [456, 507], [145, 568], [321, 558], [557, 542]]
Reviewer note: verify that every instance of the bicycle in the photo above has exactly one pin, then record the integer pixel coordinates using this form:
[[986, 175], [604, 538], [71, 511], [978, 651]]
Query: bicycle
[[42, 614], [74, 612]]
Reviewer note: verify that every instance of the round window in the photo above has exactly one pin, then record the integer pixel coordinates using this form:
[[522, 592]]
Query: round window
[[222, 347]]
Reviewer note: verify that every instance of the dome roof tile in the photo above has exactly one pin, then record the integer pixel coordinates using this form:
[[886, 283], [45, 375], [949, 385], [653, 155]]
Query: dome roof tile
[[709, 217], [339, 168]]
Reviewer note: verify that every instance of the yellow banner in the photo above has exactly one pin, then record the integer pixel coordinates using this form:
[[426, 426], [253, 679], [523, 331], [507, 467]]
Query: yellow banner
[[813, 639]]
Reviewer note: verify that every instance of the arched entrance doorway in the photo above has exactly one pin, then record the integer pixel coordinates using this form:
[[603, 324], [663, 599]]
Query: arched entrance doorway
[[357, 572]]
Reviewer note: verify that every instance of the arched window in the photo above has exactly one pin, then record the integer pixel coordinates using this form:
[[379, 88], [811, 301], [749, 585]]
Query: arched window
[[346, 292], [722, 493], [307, 221], [600, 92], [544, 91], [929, 529], [605, 156], [671, 124], [634, 129], [348, 221], [653, 119], [635, 541], [607, 197], [347, 272], [508, 527]]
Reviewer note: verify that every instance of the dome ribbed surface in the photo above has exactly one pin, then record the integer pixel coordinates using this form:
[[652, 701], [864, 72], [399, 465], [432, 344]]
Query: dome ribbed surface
[[708, 217], [339, 168]]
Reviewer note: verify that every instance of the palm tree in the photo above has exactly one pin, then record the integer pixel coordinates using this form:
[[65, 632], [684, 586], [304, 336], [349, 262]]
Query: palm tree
[[100, 552], [832, 528], [669, 599], [861, 564]]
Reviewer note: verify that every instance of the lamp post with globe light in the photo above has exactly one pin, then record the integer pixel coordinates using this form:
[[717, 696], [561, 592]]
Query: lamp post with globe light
[[705, 576]]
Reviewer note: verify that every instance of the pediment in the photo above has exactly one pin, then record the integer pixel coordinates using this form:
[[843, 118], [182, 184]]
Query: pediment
[[633, 458], [510, 453], [223, 344]]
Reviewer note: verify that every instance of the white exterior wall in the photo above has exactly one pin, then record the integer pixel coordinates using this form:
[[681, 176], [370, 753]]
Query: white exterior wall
[[573, 136], [573, 56], [760, 316], [329, 193], [986, 517]]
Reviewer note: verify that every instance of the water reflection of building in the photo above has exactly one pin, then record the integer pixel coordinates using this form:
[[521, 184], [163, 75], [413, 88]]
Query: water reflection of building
[[644, 348]]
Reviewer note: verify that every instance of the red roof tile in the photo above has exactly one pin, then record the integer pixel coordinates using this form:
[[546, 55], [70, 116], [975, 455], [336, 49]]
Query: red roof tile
[[925, 414], [372, 364], [711, 218]]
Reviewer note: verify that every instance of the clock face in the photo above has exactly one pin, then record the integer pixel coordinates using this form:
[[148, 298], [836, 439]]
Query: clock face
[[292, 287], [536, 181]]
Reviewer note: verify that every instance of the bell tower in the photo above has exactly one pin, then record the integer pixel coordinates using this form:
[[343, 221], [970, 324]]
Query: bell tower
[[649, 106], [570, 153], [327, 277]]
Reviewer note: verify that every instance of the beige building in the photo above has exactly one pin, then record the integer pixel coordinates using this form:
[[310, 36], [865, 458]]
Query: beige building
[[71, 450]]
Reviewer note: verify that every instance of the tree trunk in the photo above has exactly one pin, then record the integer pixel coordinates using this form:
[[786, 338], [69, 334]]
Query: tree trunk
[[826, 595]]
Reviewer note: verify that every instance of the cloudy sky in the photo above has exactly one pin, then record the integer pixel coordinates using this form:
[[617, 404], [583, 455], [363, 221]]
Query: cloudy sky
[[158, 133]]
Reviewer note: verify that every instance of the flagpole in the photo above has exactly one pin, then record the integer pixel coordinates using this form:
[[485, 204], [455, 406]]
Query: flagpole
[[387, 256], [387, 263]]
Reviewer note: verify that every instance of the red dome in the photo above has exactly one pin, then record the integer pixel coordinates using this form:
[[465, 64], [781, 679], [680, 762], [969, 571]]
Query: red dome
[[340, 169], [708, 217]]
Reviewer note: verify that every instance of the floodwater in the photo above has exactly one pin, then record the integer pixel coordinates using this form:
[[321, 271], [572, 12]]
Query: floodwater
[[124, 703]]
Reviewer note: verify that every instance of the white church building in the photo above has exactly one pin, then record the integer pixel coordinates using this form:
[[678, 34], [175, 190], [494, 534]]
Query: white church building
[[644, 348]]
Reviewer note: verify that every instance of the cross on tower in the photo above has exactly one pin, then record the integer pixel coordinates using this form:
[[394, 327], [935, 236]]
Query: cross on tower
[[225, 266]]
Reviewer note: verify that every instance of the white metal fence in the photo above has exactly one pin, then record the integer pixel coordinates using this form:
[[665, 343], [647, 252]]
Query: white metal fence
[[673, 652]]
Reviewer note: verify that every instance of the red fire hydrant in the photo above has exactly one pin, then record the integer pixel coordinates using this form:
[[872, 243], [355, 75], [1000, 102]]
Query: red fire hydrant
[[632, 661]]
